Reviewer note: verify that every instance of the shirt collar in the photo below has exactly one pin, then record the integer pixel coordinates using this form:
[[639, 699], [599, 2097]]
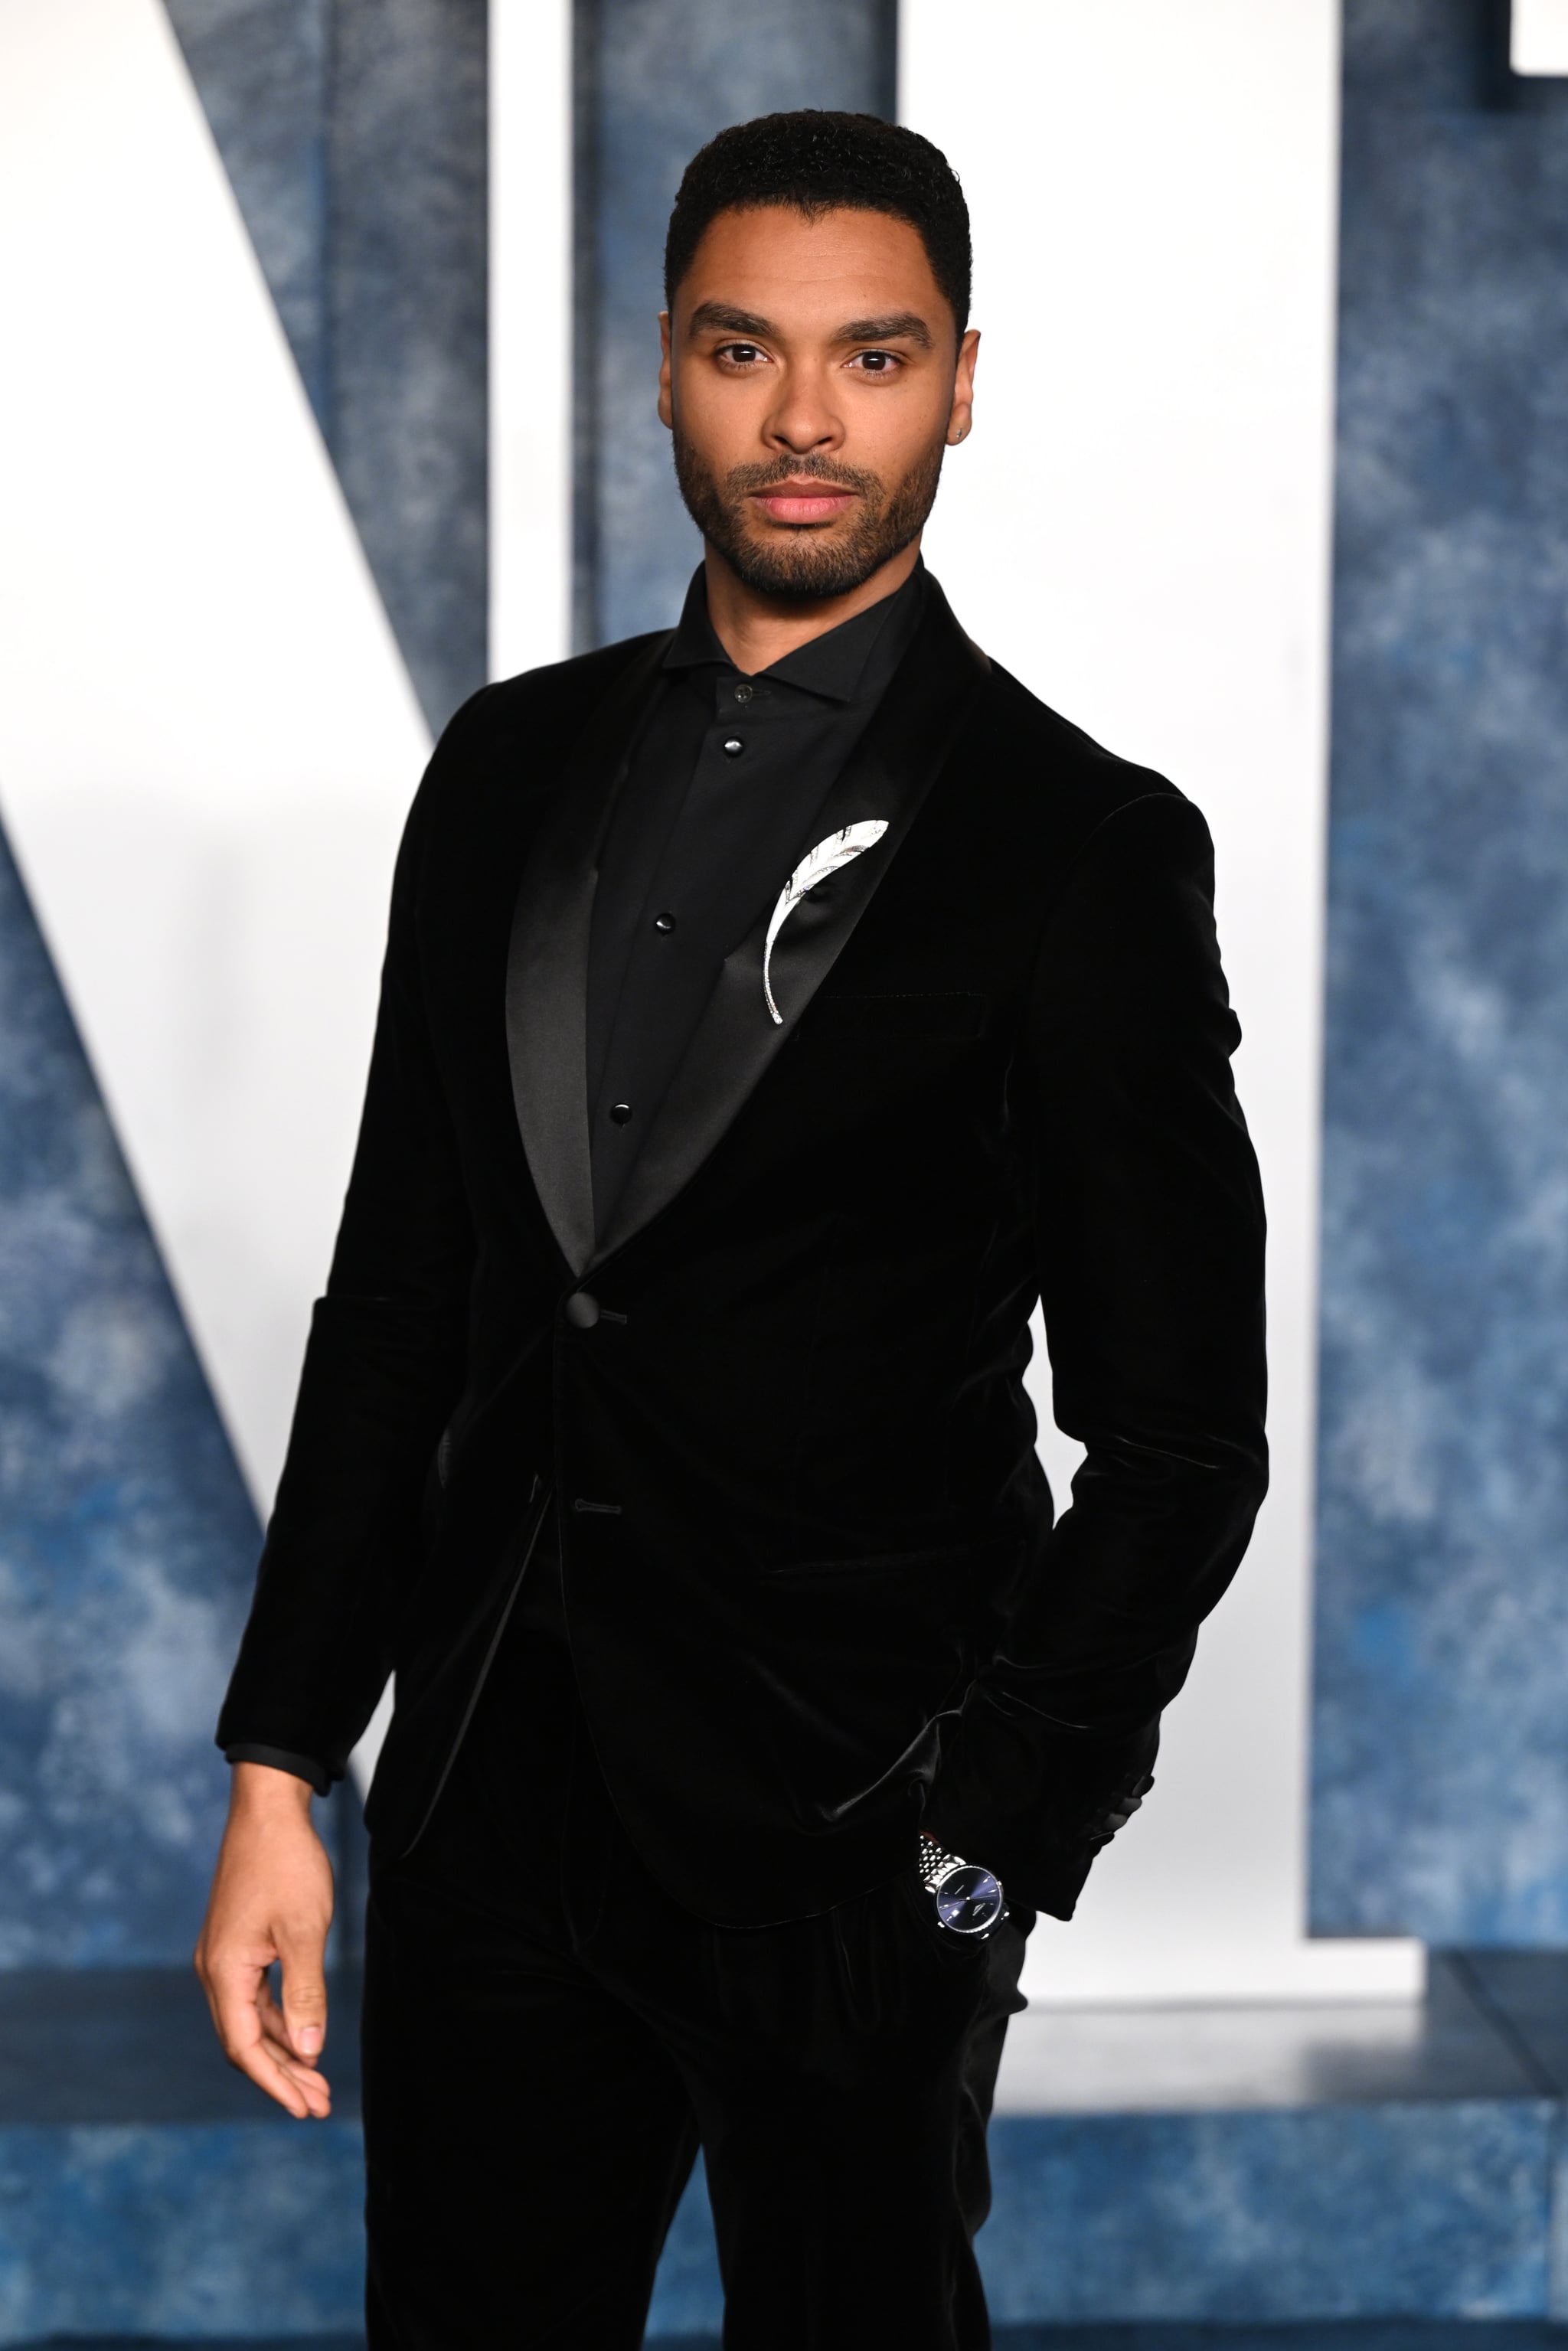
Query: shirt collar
[[833, 665]]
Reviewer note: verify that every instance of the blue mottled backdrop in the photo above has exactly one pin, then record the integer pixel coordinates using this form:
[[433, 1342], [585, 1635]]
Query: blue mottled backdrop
[[1440, 1803], [127, 1542]]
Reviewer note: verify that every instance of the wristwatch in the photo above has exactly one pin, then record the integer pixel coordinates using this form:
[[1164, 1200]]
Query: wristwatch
[[968, 1895]]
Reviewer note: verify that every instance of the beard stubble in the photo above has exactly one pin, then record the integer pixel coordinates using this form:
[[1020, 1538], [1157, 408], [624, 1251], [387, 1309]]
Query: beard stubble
[[808, 560]]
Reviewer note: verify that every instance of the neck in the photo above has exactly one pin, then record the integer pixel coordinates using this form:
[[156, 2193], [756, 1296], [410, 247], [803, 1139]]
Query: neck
[[758, 630]]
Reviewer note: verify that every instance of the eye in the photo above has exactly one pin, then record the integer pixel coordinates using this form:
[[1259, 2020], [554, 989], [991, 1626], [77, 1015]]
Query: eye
[[877, 362], [741, 354]]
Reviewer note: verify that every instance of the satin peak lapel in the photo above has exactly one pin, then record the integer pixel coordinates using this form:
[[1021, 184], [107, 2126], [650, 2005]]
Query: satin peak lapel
[[547, 961], [884, 784]]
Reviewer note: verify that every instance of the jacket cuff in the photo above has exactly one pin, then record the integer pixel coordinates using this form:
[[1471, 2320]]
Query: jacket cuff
[[304, 1767]]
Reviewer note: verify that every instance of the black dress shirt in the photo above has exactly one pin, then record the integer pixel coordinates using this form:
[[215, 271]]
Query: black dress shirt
[[718, 810]]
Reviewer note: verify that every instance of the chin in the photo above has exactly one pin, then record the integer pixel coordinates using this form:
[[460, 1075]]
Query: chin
[[802, 559]]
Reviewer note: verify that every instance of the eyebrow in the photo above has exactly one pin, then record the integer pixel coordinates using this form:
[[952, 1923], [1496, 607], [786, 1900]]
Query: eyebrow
[[708, 315], [900, 326]]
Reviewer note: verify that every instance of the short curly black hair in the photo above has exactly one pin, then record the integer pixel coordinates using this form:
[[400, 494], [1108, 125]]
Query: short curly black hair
[[819, 162]]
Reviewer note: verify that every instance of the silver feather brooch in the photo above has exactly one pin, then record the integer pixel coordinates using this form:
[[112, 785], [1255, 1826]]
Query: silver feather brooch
[[816, 865]]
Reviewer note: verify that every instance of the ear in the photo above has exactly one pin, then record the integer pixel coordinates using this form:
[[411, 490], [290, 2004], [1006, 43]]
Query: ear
[[666, 395], [960, 416]]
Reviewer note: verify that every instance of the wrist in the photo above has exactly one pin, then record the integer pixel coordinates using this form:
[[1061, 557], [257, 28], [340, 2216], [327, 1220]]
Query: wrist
[[269, 1788]]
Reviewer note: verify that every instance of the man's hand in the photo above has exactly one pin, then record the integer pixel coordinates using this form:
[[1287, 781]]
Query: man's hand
[[271, 1899], [1120, 1810]]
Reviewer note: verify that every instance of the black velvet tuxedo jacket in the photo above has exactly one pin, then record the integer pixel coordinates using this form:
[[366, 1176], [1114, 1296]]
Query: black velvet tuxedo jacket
[[811, 1573]]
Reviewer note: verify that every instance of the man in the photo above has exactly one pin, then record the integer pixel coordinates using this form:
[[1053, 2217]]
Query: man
[[773, 1009]]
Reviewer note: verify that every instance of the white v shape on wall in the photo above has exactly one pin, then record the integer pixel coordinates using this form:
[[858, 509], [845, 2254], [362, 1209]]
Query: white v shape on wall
[[1139, 529], [207, 737]]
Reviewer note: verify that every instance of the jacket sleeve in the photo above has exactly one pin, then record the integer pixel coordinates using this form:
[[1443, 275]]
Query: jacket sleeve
[[1149, 1246], [383, 1367]]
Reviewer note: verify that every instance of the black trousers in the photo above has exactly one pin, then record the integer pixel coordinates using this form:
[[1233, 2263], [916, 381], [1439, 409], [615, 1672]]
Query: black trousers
[[549, 2038]]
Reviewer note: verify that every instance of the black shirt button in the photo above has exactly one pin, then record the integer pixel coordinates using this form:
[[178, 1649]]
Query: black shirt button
[[619, 1112], [664, 923], [582, 1309], [743, 693], [733, 747]]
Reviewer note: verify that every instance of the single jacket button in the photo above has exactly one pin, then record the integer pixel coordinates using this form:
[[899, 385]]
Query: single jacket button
[[664, 923], [582, 1309], [733, 747], [619, 1112]]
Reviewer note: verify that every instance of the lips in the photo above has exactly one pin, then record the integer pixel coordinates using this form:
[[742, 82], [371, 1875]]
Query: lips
[[803, 502]]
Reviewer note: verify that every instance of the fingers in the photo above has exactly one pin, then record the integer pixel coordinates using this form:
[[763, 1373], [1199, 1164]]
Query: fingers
[[251, 2029], [304, 1999], [276, 2050], [1116, 1816], [243, 2007]]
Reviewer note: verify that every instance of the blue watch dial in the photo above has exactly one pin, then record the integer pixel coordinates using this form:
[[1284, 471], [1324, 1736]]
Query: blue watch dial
[[968, 1899]]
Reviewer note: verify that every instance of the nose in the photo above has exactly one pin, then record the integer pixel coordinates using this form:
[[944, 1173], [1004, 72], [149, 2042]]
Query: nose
[[804, 421]]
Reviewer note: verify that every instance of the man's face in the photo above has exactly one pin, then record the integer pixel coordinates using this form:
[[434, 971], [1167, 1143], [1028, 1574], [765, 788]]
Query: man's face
[[811, 379]]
